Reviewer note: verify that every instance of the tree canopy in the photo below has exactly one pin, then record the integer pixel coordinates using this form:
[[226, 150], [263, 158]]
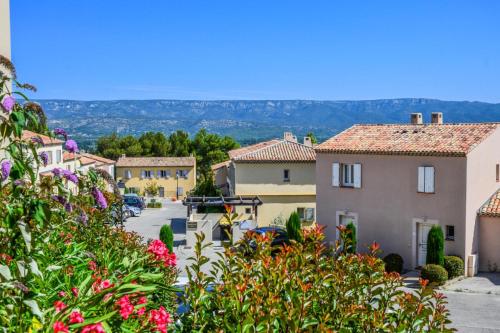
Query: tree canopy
[[208, 148]]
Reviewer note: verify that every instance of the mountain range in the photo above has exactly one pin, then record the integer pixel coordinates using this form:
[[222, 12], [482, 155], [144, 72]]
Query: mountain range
[[249, 120]]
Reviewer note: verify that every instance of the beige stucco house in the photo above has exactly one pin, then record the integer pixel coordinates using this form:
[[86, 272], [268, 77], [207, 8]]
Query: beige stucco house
[[395, 181], [174, 176], [5, 29], [280, 172], [489, 231]]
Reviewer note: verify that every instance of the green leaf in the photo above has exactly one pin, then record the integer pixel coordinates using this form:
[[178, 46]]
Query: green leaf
[[5, 272], [95, 320], [34, 268], [35, 309], [23, 270], [26, 233]]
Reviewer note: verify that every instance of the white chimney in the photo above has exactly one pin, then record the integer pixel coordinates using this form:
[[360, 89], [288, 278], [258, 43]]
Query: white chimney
[[416, 119], [437, 118], [288, 136], [308, 141]]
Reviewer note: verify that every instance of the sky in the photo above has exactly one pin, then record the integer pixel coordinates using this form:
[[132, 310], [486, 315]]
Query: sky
[[235, 49]]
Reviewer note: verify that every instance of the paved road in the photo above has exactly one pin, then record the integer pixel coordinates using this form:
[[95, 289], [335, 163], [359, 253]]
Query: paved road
[[474, 303]]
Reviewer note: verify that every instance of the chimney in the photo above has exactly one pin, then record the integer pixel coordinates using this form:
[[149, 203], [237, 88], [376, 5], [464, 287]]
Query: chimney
[[437, 118], [288, 136], [308, 141], [416, 119]]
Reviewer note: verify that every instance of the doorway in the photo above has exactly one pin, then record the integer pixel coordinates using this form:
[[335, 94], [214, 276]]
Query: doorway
[[162, 191], [422, 234]]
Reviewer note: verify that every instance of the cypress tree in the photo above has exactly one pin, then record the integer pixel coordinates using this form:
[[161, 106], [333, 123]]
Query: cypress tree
[[435, 246], [350, 238], [167, 237], [293, 227]]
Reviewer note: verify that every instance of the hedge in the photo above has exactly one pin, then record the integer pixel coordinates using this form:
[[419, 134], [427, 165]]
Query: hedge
[[454, 265], [434, 273]]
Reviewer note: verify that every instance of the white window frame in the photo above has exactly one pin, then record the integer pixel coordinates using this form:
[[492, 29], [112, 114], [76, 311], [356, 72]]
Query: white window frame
[[303, 213], [346, 175], [286, 175], [58, 156], [426, 179], [127, 174], [147, 174]]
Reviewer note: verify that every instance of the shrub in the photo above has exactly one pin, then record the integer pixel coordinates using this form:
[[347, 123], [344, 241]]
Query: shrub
[[293, 227], [156, 204], [305, 287], [434, 273], [393, 263], [350, 241], [454, 265], [167, 237], [435, 246]]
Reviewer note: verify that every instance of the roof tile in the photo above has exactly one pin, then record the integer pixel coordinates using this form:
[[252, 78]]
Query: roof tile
[[492, 206], [275, 151], [155, 161]]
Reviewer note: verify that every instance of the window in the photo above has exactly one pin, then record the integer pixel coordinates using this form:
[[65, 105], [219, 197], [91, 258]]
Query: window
[[248, 210], [346, 175], [450, 232], [183, 173], [426, 179], [127, 174], [180, 191], [58, 156], [498, 173], [286, 175], [306, 214], [50, 159], [147, 174], [164, 173]]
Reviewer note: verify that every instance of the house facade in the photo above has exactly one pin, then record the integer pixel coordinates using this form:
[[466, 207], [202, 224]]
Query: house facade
[[395, 181], [280, 172], [174, 176], [5, 30]]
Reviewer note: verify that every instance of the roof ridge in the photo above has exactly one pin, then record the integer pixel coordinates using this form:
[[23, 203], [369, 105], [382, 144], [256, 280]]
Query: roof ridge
[[258, 149]]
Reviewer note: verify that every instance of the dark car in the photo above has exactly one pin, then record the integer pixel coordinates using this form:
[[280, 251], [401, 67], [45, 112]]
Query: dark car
[[280, 237], [134, 202]]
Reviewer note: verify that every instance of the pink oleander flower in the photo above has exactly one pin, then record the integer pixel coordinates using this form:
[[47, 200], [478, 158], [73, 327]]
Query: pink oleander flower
[[59, 306], [5, 169], [71, 146], [126, 308], [59, 327], [161, 318], [106, 284], [158, 248], [142, 310], [92, 265], [74, 290], [94, 328], [61, 294], [170, 260], [8, 103], [76, 317], [107, 296]]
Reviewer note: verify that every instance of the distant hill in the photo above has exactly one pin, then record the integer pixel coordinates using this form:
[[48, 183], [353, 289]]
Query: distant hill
[[249, 121]]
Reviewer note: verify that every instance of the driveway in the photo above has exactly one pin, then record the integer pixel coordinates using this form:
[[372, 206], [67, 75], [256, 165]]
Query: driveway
[[148, 225]]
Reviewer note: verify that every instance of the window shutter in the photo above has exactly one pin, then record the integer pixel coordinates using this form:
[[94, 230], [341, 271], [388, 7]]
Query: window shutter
[[143, 174], [159, 173], [421, 179], [357, 175], [429, 179], [336, 174]]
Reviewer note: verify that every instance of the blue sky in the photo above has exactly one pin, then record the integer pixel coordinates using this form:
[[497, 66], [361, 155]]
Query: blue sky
[[325, 50]]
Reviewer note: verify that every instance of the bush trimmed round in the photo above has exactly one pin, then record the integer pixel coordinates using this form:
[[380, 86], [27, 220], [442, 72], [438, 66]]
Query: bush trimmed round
[[454, 265], [434, 273], [393, 263]]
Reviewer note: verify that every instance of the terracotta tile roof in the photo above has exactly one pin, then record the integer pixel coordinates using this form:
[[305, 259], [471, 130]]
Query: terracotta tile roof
[[86, 161], [245, 150], [67, 156], [430, 139], [278, 151], [492, 206], [99, 159], [220, 165], [47, 141], [155, 161]]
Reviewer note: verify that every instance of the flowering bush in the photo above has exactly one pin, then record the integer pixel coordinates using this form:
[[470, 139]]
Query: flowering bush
[[63, 268], [306, 287]]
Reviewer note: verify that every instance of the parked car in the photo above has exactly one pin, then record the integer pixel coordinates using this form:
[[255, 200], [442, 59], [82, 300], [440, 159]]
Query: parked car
[[134, 201], [280, 237], [133, 211]]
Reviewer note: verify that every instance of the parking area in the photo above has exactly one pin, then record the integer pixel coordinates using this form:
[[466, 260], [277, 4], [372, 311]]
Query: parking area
[[148, 225]]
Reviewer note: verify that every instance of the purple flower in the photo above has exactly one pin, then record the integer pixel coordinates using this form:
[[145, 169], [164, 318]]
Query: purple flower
[[99, 198], [68, 207], [71, 146], [83, 218], [57, 172], [8, 103], [70, 176], [37, 139], [6, 166], [60, 131], [19, 182], [44, 157], [60, 199]]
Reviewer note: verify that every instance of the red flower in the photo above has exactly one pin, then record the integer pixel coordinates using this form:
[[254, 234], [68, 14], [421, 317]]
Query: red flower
[[92, 265], [170, 259], [142, 310], [61, 294], [158, 248], [75, 317], [60, 327], [374, 247], [161, 318], [126, 308], [94, 328], [106, 284], [59, 306], [74, 291], [423, 282]]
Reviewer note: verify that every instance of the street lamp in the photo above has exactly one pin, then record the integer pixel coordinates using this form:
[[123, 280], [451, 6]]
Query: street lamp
[[177, 178]]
